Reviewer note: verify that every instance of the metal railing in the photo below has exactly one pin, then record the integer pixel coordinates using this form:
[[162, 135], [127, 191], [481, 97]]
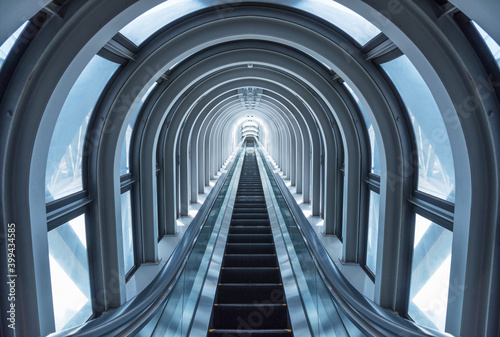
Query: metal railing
[[367, 317]]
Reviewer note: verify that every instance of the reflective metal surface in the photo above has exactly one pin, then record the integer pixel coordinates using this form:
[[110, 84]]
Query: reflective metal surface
[[300, 325], [333, 306], [204, 310]]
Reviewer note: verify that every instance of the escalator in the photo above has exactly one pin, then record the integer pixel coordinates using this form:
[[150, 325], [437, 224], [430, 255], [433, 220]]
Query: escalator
[[249, 264], [250, 297]]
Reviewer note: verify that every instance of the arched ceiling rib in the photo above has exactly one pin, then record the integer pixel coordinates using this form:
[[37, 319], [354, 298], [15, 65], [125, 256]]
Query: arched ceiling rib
[[480, 11], [293, 96]]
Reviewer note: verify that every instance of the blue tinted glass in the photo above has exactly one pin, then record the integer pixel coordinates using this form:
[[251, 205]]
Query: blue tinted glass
[[125, 156], [372, 239], [346, 19], [435, 161], [64, 162], [157, 17], [492, 45], [69, 274], [375, 156], [128, 238], [6, 47], [430, 274]]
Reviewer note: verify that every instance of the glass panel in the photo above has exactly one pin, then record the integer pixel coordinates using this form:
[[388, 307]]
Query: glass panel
[[128, 237], [125, 157], [9, 43], [372, 237], [346, 19], [430, 274], [64, 162], [143, 26], [69, 273], [435, 161], [375, 156], [492, 45]]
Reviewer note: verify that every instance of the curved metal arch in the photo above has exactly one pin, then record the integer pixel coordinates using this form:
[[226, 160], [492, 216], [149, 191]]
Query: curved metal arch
[[203, 137], [186, 135], [238, 112], [224, 127], [235, 105], [395, 197], [293, 124], [209, 135], [447, 66], [250, 128], [178, 122], [194, 121], [294, 101], [110, 123], [24, 9], [198, 147], [225, 74], [286, 118], [250, 133], [170, 138], [290, 159], [273, 105], [306, 160], [281, 131]]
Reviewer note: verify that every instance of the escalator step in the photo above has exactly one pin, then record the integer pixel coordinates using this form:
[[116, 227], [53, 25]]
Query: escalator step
[[250, 204], [250, 275], [250, 209], [250, 238], [243, 248], [250, 316], [250, 293], [249, 333], [250, 222], [251, 215], [248, 200], [245, 260], [250, 230]]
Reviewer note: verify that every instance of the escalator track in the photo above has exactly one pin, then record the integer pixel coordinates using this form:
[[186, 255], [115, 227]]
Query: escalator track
[[250, 299]]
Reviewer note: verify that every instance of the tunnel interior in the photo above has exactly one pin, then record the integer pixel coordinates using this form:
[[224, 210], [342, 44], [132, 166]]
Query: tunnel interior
[[381, 118]]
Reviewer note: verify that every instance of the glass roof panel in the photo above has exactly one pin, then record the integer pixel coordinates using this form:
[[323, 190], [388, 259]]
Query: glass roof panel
[[375, 156], [492, 44], [64, 161], [125, 156], [9, 43], [346, 19], [145, 25], [435, 161]]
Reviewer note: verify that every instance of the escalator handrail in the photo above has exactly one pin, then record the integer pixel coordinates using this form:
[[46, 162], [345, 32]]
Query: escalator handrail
[[134, 314], [364, 313]]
